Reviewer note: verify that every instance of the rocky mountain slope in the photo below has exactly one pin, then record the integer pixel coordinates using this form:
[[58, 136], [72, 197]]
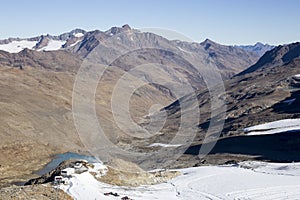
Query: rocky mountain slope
[[36, 110], [265, 92], [117, 41], [36, 87], [180, 63]]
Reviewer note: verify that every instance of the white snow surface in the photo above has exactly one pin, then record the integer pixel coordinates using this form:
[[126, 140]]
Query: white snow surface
[[75, 43], [274, 127], [78, 34], [290, 169], [17, 46], [164, 145], [53, 45], [248, 180], [297, 75]]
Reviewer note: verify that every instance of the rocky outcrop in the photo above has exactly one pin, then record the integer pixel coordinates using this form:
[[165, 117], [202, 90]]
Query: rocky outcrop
[[33, 192], [44, 40], [124, 173]]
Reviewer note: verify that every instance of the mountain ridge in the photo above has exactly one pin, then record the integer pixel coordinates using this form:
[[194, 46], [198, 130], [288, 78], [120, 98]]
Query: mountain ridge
[[258, 48], [68, 39], [257, 92], [280, 55]]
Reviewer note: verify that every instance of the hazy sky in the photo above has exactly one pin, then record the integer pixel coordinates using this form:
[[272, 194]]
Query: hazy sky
[[224, 21]]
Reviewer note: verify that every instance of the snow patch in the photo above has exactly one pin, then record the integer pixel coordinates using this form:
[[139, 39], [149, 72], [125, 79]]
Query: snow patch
[[297, 75], [53, 45], [181, 49], [164, 145], [75, 43], [78, 34], [274, 127], [17, 46]]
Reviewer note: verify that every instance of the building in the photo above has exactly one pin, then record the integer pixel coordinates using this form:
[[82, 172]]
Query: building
[[60, 180], [67, 172]]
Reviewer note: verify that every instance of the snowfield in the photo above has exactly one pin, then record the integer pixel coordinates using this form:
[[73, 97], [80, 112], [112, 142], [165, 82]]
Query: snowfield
[[274, 127], [53, 45], [248, 180], [17, 46]]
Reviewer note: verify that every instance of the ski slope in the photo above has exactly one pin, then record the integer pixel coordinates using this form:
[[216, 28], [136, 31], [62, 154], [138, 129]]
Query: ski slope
[[248, 180]]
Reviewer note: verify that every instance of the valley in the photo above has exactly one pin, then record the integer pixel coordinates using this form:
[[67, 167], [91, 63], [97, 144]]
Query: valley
[[196, 111]]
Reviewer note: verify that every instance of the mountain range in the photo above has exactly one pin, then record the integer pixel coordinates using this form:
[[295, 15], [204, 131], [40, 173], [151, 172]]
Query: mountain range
[[265, 92], [259, 48], [38, 74], [66, 40]]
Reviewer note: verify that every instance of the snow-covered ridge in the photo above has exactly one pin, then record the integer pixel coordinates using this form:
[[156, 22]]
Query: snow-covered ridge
[[43, 42], [247, 180], [274, 127]]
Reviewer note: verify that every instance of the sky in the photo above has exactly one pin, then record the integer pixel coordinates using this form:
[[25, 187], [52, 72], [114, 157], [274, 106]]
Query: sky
[[231, 22]]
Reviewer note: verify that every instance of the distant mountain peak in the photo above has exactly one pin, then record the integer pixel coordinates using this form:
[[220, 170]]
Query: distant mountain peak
[[279, 55], [116, 30], [259, 44], [207, 41], [259, 48], [126, 27], [77, 30]]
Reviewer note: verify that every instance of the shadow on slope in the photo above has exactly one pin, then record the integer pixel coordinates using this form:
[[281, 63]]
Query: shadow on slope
[[281, 147]]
